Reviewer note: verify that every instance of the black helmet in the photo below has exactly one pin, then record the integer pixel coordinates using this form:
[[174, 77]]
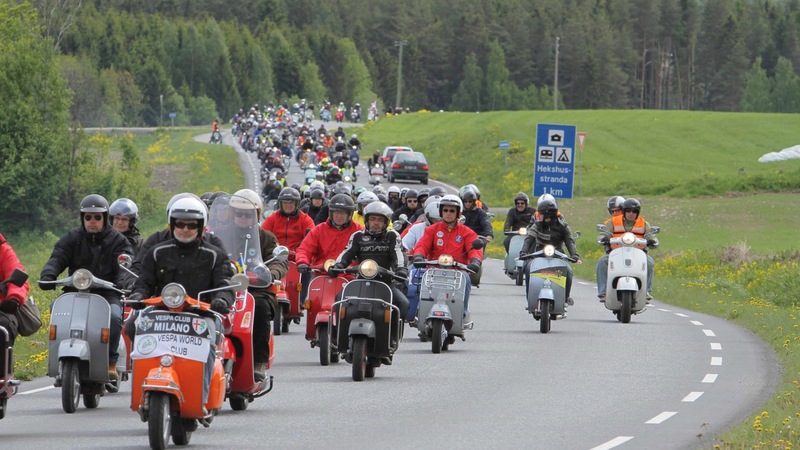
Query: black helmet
[[341, 189], [424, 192], [547, 208], [289, 194], [615, 202], [521, 197], [95, 203], [632, 204], [468, 194], [317, 193], [341, 202], [411, 193], [437, 191]]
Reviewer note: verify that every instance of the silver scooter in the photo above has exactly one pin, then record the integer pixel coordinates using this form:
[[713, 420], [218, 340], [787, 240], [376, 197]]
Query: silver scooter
[[513, 265], [547, 285], [79, 337]]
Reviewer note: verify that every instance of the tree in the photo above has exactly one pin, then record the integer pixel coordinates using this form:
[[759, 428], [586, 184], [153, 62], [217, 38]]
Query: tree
[[497, 85], [786, 89], [35, 110], [756, 96], [468, 95]]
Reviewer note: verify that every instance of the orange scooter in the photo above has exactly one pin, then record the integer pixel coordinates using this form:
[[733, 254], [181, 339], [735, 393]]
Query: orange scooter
[[288, 293], [322, 292], [178, 340]]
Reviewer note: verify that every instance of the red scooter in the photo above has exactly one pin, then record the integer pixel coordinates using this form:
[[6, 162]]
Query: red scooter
[[243, 386], [8, 385], [288, 292], [322, 292]]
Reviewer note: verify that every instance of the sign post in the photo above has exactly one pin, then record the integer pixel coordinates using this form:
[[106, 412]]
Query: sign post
[[581, 143], [504, 145], [554, 169], [172, 116]]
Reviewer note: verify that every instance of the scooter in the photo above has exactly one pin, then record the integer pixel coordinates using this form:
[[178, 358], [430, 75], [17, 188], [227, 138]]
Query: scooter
[[626, 288], [8, 385], [363, 321], [216, 137], [547, 287], [415, 281], [79, 338], [310, 173], [513, 265], [322, 292], [288, 300], [177, 341], [375, 175], [244, 386], [441, 317]]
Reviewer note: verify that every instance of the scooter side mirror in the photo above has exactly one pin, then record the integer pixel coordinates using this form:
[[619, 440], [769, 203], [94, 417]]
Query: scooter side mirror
[[576, 235], [239, 282], [478, 244], [125, 260], [281, 253], [404, 217], [655, 230], [602, 228], [17, 278]]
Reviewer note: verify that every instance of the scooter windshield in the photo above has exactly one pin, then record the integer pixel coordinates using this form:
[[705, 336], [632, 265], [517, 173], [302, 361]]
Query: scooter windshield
[[233, 220]]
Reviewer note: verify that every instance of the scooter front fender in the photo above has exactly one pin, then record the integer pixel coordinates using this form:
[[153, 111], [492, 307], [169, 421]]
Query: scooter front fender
[[627, 284], [547, 294], [362, 327], [322, 317], [440, 311], [74, 348], [163, 379]]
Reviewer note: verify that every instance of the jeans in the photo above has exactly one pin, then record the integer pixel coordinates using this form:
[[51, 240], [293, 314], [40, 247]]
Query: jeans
[[602, 274], [9, 322], [262, 325], [115, 332]]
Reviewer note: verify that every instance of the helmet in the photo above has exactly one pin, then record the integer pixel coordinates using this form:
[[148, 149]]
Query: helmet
[[471, 187], [379, 208], [382, 197], [615, 202], [341, 189], [247, 199], [546, 197], [377, 153], [437, 191], [432, 209], [289, 194], [188, 208], [325, 161], [424, 192], [468, 194], [394, 190], [334, 169], [547, 208], [348, 164], [177, 197], [633, 205], [317, 185], [358, 190], [378, 189], [95, 203], [403, 192], [366, 197], [126, 207], [411, 193], [317, 193], [342, 202], [354, 136], [521, 197], [451, 200]]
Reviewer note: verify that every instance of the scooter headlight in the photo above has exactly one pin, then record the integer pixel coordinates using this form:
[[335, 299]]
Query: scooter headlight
[[173, 295], [328, 264], [628, 238], [368, 268], [445, 260], [167, 360], [523, 231], [549, 250], [82, 279]]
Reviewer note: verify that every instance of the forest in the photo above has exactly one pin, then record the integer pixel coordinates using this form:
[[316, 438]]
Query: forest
[[129, 62]]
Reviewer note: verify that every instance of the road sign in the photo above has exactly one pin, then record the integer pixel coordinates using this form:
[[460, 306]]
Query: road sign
[[554, 170], [173, 115], [581, 139], [505, 145]]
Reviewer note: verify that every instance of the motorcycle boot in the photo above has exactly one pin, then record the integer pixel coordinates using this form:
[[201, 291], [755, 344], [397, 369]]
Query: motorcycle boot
[[113, 377], [260, 371]]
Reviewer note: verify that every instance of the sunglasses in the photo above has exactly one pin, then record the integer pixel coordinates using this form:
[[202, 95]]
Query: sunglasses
[[521, 203], [248, 214], [449, 210], [411, 201], [613, 210], [189, 225], [469, 201], [632, 210], [88, 217]]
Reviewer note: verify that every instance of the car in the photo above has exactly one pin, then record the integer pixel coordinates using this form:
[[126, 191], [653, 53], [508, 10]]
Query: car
[[408, 166], [389, 152]]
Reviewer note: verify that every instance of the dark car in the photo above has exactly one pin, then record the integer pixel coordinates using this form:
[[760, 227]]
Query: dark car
[[389, 152], [408, 166]]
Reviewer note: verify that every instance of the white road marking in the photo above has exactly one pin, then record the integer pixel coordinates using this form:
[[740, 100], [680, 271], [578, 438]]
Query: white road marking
[[619, 440], [716, 346], [709, 333], [664, 310], [33, 391], [692, 396], [697, 322], [716, 360], [681, 315], [661, 417], [710, 378]]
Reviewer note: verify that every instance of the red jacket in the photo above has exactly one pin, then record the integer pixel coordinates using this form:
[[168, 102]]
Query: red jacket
[[457, 242], [324, 242], [289, 230], [9, 262]]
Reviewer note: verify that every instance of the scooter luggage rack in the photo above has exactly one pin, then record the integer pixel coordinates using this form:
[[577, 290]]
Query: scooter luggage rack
[[440, 277]]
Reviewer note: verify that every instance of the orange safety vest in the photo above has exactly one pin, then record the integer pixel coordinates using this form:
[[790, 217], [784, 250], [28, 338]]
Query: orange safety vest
[[619, 228], [328, 141]]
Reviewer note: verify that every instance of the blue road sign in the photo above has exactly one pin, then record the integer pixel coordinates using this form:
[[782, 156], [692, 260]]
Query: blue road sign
[[554, 170], [173, 115], [505, 145]]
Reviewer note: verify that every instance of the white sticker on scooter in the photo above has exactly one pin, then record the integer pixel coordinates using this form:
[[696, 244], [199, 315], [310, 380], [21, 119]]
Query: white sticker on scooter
[[165, 333]]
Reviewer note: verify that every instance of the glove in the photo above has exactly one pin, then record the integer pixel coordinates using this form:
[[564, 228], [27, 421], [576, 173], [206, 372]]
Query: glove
[[652, 243], [334, 270], [219, 305], [9, 305], [415, 259], [47, 286], [604, 240], [474, 265], [401, 272], [136, 298], [303, 268]]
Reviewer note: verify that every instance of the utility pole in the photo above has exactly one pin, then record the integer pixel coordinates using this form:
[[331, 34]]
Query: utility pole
[[555, 81], [161, 111], [400, 44]]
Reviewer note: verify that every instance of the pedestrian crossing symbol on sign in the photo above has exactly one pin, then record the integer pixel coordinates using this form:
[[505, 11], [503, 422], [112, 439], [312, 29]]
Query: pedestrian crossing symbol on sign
[[564, 155]]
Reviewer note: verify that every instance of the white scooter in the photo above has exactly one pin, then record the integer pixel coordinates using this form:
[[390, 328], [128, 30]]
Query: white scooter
[[514, 265], [626, 288]]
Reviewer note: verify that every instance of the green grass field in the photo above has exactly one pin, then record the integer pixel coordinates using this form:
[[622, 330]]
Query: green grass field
[[728, 222]]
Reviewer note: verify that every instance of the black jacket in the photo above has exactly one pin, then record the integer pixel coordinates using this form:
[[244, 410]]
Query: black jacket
[[96, 252], [478, 221], [407, 211], [197, 266], [516, 220], [385, 249], [555, 232]]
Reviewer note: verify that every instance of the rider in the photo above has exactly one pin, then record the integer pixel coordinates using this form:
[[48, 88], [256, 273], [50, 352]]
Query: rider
[[364, 199], [614, 206], [412, 234], [123, 214], [393, 196], [449, 237], [189, 260], [410, 206], [382, 245], [354, 142], [94, 246], [476, 218], [316, 201], [518, 217], [553, 230], [290, 225], [247, 206], [376, 159], [11, 298], [333, 176], [630, 220]]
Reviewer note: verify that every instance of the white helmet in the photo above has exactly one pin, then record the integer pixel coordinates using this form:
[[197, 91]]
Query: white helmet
[[432, 209], [546, 197], [247, 199], [451, 200], [189, 208]]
